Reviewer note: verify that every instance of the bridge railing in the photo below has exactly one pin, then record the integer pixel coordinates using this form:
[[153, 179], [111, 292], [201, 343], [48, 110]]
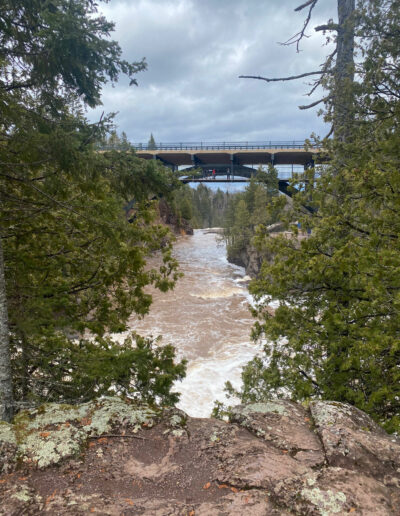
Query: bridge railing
[[179, 146]]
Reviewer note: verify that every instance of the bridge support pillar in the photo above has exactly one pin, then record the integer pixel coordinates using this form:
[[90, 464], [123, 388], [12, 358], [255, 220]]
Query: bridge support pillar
[[195, 161], [232, 156], [165, 162]]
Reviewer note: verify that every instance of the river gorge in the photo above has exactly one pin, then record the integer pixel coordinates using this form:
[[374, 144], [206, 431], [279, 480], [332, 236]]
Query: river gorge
[[206, 317]]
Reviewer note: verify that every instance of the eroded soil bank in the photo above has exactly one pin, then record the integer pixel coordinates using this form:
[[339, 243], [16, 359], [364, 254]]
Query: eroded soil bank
[[112, 457]]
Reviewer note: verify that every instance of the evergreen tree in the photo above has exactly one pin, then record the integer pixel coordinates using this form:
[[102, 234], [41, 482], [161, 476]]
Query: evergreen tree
[[71, 260], [151, 145], [257, 205], [336, 332]]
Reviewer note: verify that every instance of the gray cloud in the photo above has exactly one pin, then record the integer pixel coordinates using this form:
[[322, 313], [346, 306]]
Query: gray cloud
[[195, 51]]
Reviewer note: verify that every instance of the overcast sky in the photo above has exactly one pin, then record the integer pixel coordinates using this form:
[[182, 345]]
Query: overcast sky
[[195, 50]]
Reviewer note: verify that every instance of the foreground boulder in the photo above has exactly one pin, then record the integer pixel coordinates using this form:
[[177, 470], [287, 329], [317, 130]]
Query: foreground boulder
[[114, 457]]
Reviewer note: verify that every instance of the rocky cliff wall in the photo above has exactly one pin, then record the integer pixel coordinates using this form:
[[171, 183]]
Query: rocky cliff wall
[[251, 258], [113, 457], [168, 217]]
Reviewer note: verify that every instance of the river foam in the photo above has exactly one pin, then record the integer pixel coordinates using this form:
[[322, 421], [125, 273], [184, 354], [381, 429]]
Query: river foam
[[206, 318]]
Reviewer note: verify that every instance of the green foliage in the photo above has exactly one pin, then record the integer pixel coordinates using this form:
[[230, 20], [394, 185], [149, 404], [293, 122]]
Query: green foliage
[[43, 43], [336, 331], [249, 209], [151, 143], [79, 370], [113, 141], [202, 207], [72, 261]]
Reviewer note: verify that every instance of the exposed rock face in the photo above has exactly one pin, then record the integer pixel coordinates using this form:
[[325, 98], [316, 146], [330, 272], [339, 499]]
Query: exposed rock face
[[169, 218], [276, 458], [251, 258], [248, 258]]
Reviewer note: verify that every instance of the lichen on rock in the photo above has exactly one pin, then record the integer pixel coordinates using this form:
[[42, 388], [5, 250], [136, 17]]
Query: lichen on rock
[[325, 502], [7, 433], [53, 432], [266, 407], [114, 456]]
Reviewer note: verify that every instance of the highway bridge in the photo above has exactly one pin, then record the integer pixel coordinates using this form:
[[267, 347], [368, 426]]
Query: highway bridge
[[229, 158]]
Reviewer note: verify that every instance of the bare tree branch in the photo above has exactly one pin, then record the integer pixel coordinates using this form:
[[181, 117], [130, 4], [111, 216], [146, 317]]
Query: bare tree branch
[[327, 26], [293, 77], [296, 38], [331, 131], [308, 106], [325, 70], [304, 5]]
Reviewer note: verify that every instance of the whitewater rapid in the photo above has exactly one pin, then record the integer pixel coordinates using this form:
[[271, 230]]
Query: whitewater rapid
[[206, 318]]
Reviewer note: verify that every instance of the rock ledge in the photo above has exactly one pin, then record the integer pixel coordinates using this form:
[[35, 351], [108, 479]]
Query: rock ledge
[[114, 457]]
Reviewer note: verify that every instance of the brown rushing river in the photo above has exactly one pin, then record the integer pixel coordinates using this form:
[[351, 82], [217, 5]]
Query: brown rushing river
[[206, 318]]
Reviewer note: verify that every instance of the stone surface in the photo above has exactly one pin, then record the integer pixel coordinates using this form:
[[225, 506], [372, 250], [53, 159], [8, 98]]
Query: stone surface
[[177, 224], [277, 458], [352, 440], [286, 425], [8, 448]]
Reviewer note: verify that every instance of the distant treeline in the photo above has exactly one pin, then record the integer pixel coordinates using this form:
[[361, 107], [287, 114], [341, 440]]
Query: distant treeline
[[202, 207], [238, 213]]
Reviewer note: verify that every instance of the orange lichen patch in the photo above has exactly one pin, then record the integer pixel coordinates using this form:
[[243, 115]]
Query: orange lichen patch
[[50, 497], [67, 424], [191, 513], [3, 481], [91, 444], [206, 486], [129, 501], [102, 440], [44, 434], [223, 486], [285, 451], [234, 489]]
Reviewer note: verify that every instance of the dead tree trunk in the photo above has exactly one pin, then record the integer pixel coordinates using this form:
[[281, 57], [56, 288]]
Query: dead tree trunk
[[343, 103], [6, 391]]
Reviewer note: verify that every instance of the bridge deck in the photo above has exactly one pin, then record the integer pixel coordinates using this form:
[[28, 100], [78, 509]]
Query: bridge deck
[[223, 154], [224, 157], [216, 180]]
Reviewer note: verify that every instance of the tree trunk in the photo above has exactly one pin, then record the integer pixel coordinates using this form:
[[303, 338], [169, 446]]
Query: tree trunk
[[343, 112], [6, 391]]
